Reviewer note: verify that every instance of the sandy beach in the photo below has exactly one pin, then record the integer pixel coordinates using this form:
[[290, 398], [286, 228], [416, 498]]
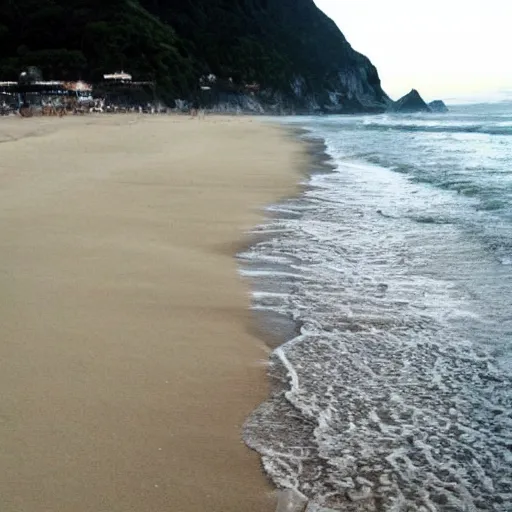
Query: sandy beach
[[128, 361]]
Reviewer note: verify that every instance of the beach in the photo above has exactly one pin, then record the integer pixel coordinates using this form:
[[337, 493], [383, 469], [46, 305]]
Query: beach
[[128, 359]]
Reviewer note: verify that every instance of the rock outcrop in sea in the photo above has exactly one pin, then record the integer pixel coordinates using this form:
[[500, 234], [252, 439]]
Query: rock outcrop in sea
[[438, 106], [410, 103]]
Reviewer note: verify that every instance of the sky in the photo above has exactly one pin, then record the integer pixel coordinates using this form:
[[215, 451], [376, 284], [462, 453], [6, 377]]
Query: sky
[[444, 48]]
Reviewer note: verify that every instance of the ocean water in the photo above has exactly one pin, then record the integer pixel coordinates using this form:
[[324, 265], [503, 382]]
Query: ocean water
[[394, 390]]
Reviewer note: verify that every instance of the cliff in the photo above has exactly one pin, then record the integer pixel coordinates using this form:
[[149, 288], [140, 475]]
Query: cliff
[[291, 54]]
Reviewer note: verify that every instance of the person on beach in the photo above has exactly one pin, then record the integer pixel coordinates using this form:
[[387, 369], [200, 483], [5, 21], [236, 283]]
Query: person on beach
[[195, 108], [25, 110]]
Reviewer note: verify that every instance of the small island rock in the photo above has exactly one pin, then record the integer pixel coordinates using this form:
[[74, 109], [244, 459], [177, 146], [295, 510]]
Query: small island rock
[[410, 103], [438, 106]]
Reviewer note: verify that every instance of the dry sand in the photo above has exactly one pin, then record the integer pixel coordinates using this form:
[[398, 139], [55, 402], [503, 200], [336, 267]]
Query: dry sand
[[127, 361]]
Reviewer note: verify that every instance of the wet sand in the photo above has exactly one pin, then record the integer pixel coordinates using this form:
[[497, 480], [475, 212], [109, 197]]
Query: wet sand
[[127, 360]]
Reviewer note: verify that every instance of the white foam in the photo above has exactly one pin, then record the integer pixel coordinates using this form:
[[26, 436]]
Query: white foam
[[292, 374], [265, 295], [390, 390], [268, 273], [506, 260]]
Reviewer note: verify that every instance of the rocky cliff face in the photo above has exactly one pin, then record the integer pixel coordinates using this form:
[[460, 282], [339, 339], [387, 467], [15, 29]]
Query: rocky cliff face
[[293, 50], [294, 56]]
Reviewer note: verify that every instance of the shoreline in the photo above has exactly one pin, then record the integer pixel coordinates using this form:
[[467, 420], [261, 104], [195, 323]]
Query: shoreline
[[264, 323], [276, 329], [129, 362]]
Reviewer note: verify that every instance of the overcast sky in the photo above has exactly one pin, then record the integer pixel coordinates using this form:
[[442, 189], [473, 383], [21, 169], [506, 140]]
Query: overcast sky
[[443, 48]]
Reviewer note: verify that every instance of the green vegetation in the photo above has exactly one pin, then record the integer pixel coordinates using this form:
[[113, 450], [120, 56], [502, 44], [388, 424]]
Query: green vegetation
[[270, 42]]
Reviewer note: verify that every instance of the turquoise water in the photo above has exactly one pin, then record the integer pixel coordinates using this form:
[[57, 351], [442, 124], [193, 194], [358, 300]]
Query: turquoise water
[[397, 269]]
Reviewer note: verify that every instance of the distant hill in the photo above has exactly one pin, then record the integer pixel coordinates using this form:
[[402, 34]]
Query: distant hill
[[294, 54]]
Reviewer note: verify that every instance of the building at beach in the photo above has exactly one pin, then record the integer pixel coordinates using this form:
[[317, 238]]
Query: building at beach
[[39, 94], [117, 89], [82, 91], [8, 97], [118, 77], [120, 89]]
